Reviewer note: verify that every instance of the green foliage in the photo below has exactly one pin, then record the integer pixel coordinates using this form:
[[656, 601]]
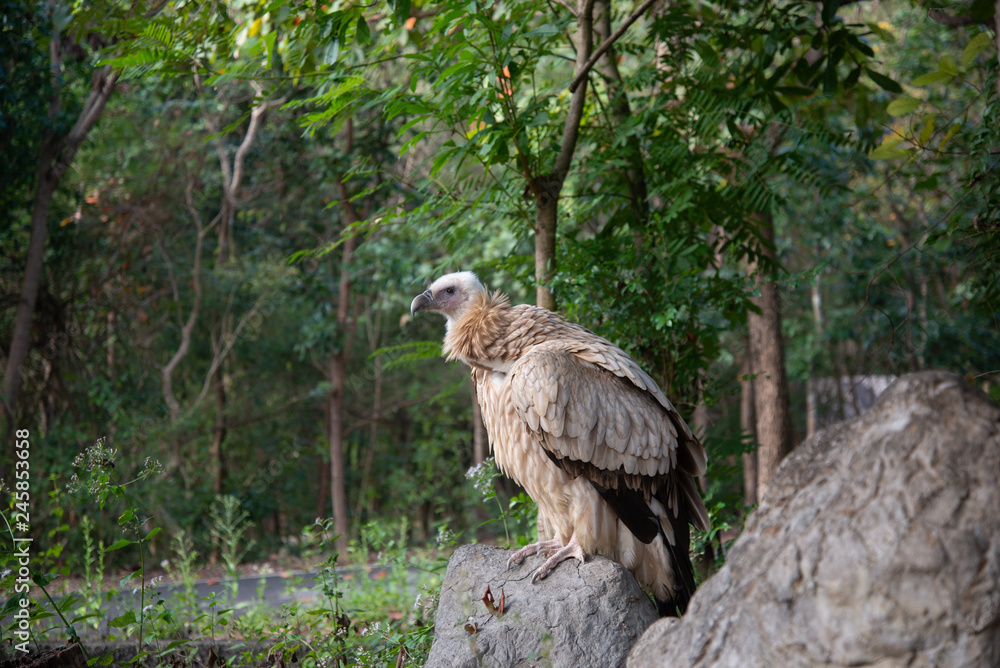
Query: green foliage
[[228, 528], [520, 512], [24, 96]]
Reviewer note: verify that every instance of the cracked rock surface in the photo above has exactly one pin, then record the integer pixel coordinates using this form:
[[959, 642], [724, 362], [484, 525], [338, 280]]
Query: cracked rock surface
[[877, 544], [580, 615]]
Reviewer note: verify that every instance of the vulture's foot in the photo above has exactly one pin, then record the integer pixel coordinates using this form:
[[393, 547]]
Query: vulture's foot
[[562, 553], [546, 547]]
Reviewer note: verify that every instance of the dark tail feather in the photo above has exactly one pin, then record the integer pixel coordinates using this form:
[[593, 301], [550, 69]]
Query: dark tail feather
[[680, 559]]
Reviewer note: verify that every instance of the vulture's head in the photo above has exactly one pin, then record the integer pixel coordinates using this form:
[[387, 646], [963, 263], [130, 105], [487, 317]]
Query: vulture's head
[[449, 295]]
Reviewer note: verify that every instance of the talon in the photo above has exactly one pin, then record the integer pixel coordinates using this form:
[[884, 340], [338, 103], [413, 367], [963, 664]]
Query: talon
[[556, 556], [546, 547]]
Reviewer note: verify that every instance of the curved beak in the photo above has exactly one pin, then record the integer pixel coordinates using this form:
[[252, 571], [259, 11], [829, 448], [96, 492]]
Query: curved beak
[[422, 302]]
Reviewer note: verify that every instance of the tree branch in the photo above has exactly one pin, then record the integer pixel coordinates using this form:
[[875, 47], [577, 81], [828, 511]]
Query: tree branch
[[166, 373], [230, 341], [581, 73], [256, 117], [575, 114]]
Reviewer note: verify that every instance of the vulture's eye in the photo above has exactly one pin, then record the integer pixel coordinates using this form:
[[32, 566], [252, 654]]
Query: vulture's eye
[[449, 291]]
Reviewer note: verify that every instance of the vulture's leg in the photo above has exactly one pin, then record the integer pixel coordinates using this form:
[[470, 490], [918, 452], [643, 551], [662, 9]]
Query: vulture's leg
[[546, 547], [555, 556]]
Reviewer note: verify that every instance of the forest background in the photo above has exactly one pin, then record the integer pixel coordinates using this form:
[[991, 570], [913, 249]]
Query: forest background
[[216, 215]]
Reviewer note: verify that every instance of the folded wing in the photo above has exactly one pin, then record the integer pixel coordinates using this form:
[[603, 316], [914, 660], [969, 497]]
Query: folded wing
[[601, 419]]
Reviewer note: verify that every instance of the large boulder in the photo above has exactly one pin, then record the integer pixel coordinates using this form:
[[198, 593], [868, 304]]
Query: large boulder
[[877, 544], [581, 615]]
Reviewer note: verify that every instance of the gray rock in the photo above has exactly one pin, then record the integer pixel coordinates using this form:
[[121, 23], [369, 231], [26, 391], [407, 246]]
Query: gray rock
[[579, 616], [877, 544]]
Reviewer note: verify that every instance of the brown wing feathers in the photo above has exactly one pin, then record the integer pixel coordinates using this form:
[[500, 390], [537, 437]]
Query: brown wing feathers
[[594, 423]]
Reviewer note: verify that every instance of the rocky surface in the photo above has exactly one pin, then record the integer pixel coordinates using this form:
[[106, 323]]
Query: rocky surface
[[580, 615], [877, 544]]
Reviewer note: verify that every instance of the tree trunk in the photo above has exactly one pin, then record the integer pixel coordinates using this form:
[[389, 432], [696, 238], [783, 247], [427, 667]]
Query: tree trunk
[[20, 341], [338, 379], [545, 244], [770, 387], [323, 469], [219, 431], [338, 369], [221, 332], [812, 407], [373, 427], [699, 422], [748, 428], [546, 188], [56, 156]]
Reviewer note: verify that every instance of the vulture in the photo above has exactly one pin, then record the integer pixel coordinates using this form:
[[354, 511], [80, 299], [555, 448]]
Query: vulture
[[588, 434]]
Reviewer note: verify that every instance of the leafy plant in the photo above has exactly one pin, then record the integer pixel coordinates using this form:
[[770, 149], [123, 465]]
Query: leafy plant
[[520, 509], [229, 524], [96, 473]]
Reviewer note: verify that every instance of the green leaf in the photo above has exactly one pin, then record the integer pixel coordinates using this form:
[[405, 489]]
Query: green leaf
[[125, 580], [123, 620], [947, 65], [364, 35], [891, 140], [975, 46], [941, 243], [886, 153], [173, 643], [43, 579], [930, 78], [124, 542], [901, 106], [544, 30], [402, 10], [948, 135], [852, 78], [928, 129], [708, 55], [884, 82], [883, 34], [125, 517], [269, 47], [160, 33]]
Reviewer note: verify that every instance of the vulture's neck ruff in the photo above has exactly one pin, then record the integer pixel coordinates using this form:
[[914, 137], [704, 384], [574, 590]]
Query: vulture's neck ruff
[[473, 335]]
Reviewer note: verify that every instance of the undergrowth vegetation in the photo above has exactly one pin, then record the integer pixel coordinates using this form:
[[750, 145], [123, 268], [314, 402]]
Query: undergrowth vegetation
[[375, 607]]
